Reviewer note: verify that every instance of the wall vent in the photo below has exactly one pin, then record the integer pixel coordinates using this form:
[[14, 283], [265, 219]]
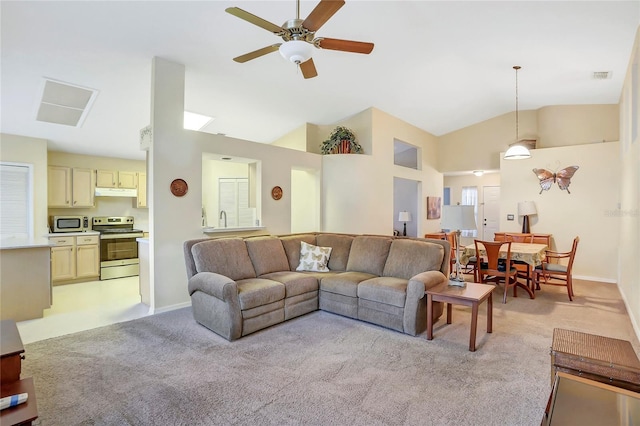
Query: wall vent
[[602, 75], [64, 103]]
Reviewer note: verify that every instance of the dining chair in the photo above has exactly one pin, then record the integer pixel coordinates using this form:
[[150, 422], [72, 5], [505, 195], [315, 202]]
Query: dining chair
[[496, 269], [524, 270], [557, 271]]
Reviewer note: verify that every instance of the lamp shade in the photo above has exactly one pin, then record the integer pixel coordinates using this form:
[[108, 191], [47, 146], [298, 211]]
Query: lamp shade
[[517, 152], [458, 218], [525, 208], [404, 217], [296, 51]]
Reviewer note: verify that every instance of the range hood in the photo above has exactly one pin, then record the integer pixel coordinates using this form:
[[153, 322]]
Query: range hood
[[116, 192]]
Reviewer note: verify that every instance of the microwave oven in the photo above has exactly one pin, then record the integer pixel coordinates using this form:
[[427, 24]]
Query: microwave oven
[[69, 223]]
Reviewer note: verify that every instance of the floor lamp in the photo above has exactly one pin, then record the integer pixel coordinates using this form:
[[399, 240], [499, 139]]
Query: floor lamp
[[526, 208], [458, 218]]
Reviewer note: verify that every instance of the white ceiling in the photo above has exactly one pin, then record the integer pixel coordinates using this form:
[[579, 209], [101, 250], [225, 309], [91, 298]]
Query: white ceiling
[[440, 66]]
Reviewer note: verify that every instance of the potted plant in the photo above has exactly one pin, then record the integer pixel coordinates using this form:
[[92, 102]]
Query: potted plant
[[342, 140]]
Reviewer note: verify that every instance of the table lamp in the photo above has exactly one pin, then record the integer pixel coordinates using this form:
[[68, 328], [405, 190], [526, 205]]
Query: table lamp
[[404, 217], [526, 208], [458, 218]]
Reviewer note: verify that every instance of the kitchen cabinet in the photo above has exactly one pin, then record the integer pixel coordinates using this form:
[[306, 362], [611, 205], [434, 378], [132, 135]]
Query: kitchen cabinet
[[75, 257], [141, 199], [116, 179], [70, 187]]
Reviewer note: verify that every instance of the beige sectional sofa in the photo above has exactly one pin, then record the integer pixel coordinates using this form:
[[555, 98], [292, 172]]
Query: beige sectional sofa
[[242, 285]]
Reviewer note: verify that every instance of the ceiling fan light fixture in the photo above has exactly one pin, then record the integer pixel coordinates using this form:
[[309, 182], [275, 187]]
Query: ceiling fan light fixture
[[296, 51]]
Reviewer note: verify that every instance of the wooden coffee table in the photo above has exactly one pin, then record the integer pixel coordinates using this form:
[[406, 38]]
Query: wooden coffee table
[[473, 294]]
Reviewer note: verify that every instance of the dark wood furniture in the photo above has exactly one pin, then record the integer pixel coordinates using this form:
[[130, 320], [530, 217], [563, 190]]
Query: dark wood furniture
[[11, 356], [535, 238], [603, 359], [578, 401], [498, 268], [473, 294], [552, 269]]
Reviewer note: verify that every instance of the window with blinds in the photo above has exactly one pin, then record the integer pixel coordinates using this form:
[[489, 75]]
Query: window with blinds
[[233, 199], [470, 198], [16, 200]]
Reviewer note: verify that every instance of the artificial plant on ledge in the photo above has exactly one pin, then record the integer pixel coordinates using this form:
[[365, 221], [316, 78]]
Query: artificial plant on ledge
[[342, 140]]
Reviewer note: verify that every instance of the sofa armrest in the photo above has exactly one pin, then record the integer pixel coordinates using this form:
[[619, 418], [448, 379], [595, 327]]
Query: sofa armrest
[[216, 285], [420, 283], [415, 306]]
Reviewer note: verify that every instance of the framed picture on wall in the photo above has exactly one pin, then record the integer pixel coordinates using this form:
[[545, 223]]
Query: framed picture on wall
[[433, 207]]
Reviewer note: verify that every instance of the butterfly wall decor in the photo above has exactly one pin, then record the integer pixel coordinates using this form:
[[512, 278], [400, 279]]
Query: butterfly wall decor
[[563, 177]]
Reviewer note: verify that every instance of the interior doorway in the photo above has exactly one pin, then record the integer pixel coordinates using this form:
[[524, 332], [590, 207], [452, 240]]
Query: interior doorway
[[490, 212], [406, 194]]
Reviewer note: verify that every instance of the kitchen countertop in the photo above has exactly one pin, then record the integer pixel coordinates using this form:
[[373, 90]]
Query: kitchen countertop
[[71, 234], [22, 243], [212, 230]]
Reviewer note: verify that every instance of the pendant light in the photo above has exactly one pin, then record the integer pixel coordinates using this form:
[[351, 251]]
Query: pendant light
[[516, 151]]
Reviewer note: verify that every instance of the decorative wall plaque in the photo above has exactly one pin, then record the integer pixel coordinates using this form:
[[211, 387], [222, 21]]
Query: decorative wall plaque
[[276, 193], [179, 187]]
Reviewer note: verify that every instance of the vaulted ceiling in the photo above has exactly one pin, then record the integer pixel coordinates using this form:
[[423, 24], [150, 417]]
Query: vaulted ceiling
[[440, 66]]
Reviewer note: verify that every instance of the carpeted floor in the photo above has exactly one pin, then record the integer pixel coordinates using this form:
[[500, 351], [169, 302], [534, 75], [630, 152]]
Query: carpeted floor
[[319, 369]]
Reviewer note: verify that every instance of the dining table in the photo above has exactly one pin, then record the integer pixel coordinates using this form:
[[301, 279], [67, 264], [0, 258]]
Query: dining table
[[531, 254]]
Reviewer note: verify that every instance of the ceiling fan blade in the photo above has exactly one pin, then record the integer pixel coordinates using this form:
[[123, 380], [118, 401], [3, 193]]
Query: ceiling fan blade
[[308, 69], [321, 14], [257, 53], [345, 45], [242, 14]]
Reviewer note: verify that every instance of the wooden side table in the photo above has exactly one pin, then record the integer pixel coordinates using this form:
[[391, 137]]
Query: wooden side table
[[11, 355], [473, 294]]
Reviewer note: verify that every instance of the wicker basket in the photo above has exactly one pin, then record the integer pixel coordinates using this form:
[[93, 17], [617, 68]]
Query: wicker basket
[[599, 358]]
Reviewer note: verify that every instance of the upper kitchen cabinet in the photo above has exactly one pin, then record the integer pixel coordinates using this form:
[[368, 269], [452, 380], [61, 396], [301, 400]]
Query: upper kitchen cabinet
[[141, 199], [116, 179], [70, 187]]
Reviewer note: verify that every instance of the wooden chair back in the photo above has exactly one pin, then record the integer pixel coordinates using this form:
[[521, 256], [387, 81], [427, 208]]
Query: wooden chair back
[[549, 273], [492, 249]]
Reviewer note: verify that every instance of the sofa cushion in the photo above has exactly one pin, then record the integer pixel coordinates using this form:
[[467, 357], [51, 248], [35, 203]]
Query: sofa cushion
[[345, 283], [387, 290], [369, 254], [295, 283], [313, 258], [267, 255], [224, 256], [291, 244], [409, 257], [255, 292], [340, 245]]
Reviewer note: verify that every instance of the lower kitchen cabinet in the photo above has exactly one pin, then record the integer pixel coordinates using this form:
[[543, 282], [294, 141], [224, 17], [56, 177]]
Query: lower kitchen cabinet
[[75, 257]]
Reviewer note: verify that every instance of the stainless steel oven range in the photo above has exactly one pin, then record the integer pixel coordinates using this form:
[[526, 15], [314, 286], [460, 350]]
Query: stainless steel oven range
[[118, 246]]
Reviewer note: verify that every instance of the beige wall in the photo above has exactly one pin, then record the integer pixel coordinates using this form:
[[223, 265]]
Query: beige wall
[[587, 212], [478, 147], [358, 190], [628, 213], [21, 149], [563, 125], [176, 219]]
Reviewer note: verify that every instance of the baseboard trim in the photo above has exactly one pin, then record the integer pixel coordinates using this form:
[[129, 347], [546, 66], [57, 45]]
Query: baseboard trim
[[171, 308], [634, 323], [598, 279]]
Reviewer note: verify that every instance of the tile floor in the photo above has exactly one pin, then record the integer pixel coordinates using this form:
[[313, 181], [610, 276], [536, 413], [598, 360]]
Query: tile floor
[[83, 306]]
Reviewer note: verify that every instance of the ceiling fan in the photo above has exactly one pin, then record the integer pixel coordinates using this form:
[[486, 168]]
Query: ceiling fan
[[298, 36]]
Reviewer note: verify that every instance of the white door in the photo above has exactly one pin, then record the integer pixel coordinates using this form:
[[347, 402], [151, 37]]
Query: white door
[[490, 212]]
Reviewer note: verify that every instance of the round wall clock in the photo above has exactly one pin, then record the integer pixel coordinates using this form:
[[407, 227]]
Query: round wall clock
[[179, 187], [276, 193]]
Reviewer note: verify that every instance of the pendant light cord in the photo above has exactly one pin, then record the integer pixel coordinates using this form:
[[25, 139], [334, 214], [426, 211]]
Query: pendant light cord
[[517, 67]]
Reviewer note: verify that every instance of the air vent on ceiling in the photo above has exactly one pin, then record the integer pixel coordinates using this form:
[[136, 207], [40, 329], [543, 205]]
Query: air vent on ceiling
[[601, 75], [64, 103]]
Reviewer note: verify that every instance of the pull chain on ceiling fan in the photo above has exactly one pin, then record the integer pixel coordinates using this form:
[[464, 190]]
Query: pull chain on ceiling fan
[[298, 36]]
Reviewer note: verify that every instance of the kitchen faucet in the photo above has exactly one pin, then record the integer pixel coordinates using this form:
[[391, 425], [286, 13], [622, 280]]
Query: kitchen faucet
[[223, 213]]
